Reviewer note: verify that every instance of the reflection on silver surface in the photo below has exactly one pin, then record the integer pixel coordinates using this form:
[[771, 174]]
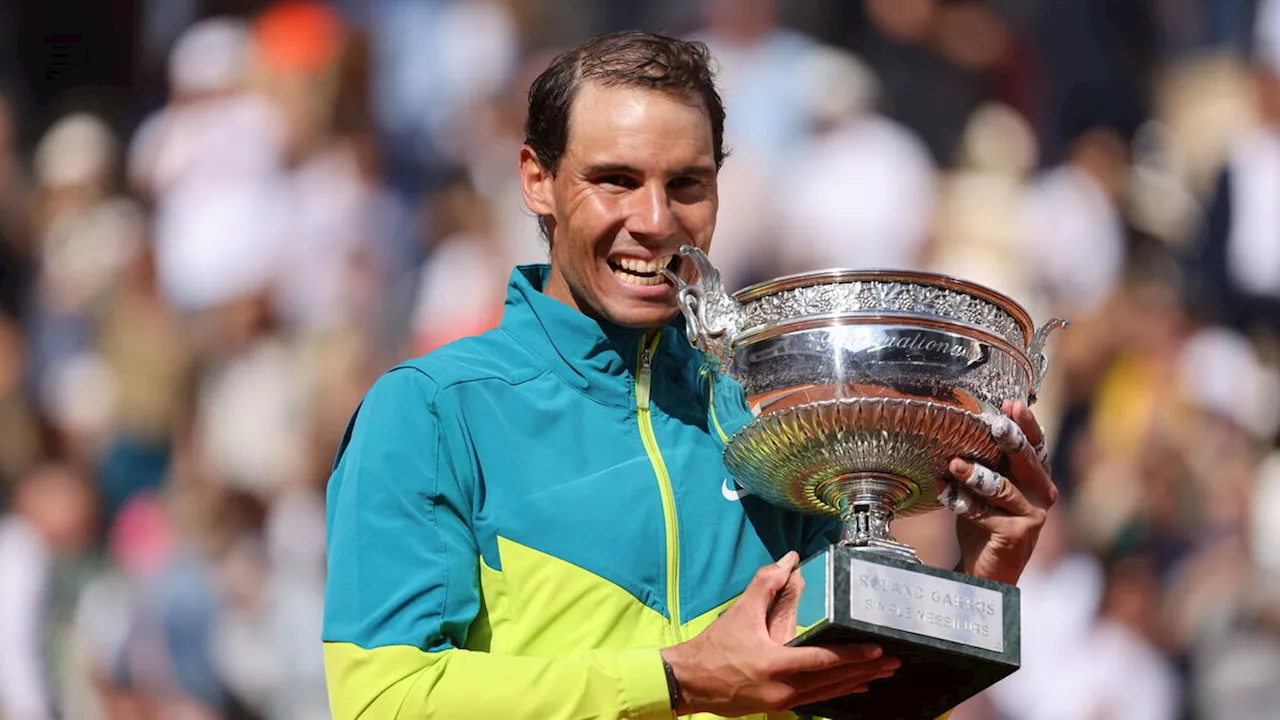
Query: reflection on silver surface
[[865, 385], [879, 360]]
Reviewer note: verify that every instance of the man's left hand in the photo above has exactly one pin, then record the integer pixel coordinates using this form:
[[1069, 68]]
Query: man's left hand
[[1000, 517]]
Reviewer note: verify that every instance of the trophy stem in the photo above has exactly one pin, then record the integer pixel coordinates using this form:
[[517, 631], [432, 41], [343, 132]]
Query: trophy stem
[[866, 504]]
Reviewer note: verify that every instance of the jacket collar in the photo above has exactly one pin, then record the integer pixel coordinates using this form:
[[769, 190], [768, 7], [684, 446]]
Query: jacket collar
[[596, 357]]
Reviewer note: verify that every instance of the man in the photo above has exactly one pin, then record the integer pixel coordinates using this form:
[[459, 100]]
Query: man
[[537, 522]]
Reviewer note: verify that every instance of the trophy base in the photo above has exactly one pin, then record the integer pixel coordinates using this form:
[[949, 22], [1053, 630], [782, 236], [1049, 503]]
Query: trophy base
[[955, 634]]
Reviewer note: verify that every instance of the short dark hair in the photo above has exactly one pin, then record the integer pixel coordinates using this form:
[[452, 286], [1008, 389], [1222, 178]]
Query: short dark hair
[[628, 58]]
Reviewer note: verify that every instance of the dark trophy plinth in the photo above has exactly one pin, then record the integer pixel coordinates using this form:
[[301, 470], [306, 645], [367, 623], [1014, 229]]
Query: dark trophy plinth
[[956, 635]]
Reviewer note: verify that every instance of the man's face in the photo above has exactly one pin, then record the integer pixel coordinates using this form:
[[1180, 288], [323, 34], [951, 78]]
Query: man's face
[[637, 180]]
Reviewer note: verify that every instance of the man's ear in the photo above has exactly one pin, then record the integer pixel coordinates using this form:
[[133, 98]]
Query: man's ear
[[535, 182]]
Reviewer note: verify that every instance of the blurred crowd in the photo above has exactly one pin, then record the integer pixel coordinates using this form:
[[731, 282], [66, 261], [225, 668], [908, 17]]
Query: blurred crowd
[[197, 288]]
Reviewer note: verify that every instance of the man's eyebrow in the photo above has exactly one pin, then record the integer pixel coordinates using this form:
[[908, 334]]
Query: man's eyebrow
[[612, 169], [699, 171]]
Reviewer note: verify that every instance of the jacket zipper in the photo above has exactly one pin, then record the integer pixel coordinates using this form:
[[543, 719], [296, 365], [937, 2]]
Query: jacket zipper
[[643, 385]]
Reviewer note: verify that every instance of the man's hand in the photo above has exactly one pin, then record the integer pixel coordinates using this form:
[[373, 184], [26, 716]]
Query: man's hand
[[1000, 518], [740, 664]]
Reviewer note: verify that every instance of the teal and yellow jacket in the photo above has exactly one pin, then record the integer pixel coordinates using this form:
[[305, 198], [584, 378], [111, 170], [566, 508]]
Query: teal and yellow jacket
[[519, 521]]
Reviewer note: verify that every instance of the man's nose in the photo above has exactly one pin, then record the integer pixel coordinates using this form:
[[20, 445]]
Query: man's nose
[[650, 213]]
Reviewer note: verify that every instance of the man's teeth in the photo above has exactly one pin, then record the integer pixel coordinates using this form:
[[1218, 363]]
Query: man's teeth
[[633, 279], [644, 266]]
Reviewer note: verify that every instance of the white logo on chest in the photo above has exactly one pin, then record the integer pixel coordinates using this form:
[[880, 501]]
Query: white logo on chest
[[730, 493]]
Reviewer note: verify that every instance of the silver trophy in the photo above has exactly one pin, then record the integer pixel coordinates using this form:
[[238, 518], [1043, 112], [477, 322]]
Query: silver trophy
[[864, 386]]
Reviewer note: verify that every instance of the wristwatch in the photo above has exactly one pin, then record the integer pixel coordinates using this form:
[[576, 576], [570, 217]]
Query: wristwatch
[[673, 685]]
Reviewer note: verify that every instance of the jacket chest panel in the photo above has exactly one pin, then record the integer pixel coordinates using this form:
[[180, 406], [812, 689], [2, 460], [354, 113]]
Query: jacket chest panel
[[572, 479]]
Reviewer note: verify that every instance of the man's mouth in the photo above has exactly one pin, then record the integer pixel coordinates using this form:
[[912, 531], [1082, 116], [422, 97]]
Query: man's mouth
[[634, 271]]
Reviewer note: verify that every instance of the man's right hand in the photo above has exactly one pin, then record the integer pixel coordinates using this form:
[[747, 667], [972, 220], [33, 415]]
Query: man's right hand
[[741, 664]]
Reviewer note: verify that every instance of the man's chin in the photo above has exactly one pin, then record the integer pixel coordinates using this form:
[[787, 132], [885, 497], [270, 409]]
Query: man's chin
[[643, 318]]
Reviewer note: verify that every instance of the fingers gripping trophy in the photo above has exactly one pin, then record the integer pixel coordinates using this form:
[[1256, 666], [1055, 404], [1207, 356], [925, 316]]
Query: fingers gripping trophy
[[864, 386]]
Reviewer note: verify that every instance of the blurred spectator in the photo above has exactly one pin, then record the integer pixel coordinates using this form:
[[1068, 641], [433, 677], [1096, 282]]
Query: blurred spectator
[[143, 348], [1061, 591], [976, 229], [51, 517], [1096, 58], [87, 234], [1072, 229], [434, 62], [762, 76], [211, 163], [15, 211], [462, 287], [934, 60], [1224, 598], [1124, 674], [1237, 262], [487, 145], [864, 189]]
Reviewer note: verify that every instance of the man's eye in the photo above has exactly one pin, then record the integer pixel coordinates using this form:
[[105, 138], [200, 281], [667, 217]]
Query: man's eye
[[689, 189], [621, 181]]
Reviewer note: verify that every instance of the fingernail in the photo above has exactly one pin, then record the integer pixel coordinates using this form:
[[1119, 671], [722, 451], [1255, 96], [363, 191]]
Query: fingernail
[[891, 663], [786, 560], [960, 467]]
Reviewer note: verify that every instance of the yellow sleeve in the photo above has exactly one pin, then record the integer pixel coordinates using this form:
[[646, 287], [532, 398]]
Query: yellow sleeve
[[399, 681]]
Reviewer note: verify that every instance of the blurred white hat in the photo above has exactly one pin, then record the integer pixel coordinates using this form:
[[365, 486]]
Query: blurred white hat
[[1221, 373], [78, 149], [840, 85], [209, 56], [998, 138]]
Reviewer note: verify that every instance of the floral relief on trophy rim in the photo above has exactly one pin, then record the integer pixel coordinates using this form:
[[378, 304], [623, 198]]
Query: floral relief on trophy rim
[[868, 296]]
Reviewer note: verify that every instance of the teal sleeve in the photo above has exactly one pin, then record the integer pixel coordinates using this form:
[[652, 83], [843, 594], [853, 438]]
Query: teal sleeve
[[403, 565], [403, 585]]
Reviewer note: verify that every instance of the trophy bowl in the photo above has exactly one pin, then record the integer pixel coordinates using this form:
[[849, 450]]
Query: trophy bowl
[[864, 385]]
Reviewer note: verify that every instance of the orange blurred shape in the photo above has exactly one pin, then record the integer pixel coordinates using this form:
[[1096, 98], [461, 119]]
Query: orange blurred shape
[[299, 35]]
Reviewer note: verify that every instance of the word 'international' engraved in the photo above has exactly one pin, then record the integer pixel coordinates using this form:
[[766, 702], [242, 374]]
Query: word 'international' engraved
[[920, 341]]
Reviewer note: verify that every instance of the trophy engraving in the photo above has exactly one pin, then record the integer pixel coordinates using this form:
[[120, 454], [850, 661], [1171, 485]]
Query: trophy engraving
[[925, 605]]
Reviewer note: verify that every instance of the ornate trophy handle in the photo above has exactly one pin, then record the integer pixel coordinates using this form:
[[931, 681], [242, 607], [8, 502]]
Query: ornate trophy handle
[[1039, 361], [712, 316]]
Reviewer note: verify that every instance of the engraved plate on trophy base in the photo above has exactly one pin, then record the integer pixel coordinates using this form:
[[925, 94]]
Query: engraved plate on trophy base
[[955, 634]]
